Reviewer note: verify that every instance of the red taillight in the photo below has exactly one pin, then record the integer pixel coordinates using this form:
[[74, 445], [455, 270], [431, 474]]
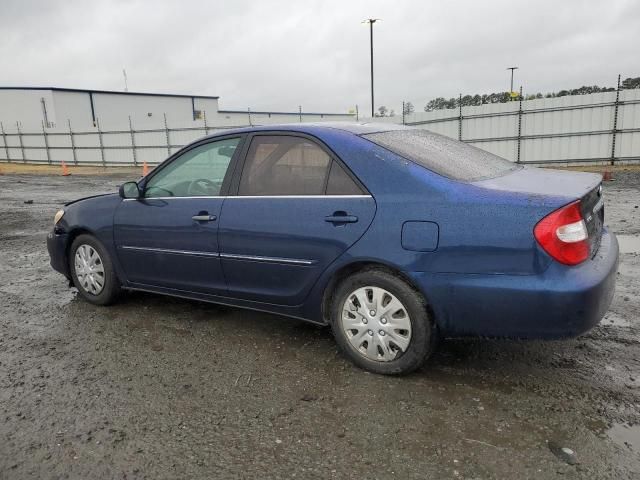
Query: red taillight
[[563, 235]]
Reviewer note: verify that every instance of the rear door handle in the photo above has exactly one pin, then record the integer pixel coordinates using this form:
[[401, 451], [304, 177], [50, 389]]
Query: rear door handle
[[204, 218], [341, 217]]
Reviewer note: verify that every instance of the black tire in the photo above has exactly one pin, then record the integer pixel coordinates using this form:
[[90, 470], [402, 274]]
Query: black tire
[[423, 331], [111, 288]]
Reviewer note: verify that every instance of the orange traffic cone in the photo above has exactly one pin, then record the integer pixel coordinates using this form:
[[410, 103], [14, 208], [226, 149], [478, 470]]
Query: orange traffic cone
[[606, 176], [145, 169], [65, 170]]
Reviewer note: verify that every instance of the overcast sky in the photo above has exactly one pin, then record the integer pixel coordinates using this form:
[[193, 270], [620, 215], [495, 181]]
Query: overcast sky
[[280, 54]]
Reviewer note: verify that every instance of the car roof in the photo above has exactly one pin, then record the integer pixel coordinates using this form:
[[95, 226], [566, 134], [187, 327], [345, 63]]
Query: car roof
[[357, 128]]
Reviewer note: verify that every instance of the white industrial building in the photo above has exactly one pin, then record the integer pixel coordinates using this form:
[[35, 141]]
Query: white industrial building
[[52, 107]]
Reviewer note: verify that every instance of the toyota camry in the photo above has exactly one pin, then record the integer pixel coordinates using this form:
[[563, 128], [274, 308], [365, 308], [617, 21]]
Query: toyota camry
[[392, 236]]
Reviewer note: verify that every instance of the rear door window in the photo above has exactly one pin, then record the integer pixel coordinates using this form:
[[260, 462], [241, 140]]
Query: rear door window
[[443, 155], [284, 165], [340, 183]]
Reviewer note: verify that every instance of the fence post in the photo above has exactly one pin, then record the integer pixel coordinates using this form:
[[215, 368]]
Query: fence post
[[4, 139], [206, 127], [166, 133], [24, 160], [249, 113], [133, 143], [101, 143], [300, 113], [460, 118], [46, 143], [73, 144], [615, 124], [357, 114], [519, 124]]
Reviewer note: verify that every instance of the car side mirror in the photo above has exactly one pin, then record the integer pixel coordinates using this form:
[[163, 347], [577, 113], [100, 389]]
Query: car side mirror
[[130, 190]]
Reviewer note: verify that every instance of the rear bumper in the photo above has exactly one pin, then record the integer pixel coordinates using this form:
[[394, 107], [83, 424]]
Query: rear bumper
[[561, 302], [57, 247]]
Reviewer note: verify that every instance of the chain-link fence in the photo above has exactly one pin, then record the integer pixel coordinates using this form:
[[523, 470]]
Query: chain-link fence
[[95, 146], [593, 128]]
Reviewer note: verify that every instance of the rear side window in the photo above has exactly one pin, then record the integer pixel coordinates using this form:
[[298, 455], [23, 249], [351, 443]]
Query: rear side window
[[443, 155], [340, 183], [282, 165]]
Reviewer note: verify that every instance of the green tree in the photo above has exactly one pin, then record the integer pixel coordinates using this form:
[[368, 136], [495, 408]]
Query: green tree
[[630, 83], [408, 108]]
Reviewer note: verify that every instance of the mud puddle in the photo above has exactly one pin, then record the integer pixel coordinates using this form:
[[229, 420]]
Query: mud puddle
[[615, 320], [625, 435], [629, 243]]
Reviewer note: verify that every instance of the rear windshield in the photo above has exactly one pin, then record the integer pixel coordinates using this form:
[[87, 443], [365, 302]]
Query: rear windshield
[[443, 155]]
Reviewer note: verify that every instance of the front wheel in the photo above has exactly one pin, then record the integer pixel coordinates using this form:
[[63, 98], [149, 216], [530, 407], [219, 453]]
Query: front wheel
[[92, 271], [381, 323]]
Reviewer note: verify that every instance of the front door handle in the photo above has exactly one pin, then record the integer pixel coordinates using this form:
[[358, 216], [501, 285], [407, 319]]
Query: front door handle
[[204, 217], [341, 217]]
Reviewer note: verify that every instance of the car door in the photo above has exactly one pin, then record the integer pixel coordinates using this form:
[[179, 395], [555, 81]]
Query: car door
[[297, 208], [168, 238]]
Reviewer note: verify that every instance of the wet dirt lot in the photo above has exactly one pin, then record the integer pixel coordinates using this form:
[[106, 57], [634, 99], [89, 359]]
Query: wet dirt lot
[[156, 387]]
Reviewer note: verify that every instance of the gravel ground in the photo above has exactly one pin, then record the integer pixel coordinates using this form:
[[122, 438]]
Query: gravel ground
[[156, 387]]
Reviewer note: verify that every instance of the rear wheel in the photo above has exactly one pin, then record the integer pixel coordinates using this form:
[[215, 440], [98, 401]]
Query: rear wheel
[[92, 271], [381, 323]]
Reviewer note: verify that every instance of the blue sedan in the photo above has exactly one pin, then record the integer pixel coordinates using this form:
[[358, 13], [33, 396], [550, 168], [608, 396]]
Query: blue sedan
[[390, 235]]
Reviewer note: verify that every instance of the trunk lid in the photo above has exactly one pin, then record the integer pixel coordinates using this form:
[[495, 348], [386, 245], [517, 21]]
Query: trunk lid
[[561, 184], [592, 208]]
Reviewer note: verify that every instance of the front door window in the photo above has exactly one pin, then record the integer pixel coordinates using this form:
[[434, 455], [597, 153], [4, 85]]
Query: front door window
[[199, 172]]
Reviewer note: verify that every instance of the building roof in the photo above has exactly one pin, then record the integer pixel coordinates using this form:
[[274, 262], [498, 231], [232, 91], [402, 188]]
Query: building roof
[[109, 92], [119, 92], [285, 113]]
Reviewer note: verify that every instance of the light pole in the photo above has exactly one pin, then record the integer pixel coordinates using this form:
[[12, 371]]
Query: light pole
[[511, 89], [371, 21]]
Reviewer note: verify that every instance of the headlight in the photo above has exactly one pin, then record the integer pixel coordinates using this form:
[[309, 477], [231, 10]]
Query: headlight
[[58, 216]]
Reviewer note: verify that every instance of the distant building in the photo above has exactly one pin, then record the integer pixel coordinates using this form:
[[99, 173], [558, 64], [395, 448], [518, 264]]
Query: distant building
[[55, 107]]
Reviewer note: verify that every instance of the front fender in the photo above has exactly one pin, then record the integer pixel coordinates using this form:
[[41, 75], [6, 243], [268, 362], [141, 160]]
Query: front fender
[[93, 216]]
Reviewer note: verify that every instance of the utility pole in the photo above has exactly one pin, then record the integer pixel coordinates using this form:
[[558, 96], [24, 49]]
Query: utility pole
[[126, 86], [511, 88], [371, 21]]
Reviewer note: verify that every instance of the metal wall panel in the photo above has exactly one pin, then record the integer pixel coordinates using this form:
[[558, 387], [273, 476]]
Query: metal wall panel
[[628, 145]]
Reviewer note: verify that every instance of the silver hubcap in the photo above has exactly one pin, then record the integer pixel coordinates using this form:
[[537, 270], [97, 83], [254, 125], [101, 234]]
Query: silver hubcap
[[376, 324], [89, 269]]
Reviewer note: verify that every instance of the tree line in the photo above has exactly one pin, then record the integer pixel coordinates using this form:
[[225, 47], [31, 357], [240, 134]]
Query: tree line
[[503, 97], [440, 103]]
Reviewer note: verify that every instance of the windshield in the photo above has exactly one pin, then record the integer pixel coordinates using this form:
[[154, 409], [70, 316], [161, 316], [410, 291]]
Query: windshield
[[443, 155]]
